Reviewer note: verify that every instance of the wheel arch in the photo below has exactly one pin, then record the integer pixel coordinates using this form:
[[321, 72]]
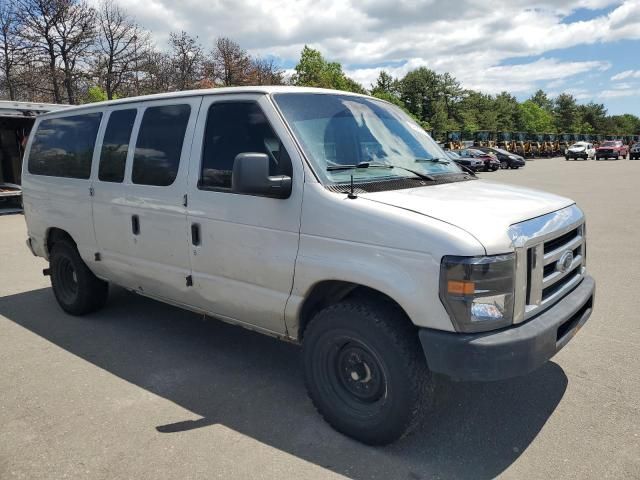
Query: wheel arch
[[329, 292], [55, 234]]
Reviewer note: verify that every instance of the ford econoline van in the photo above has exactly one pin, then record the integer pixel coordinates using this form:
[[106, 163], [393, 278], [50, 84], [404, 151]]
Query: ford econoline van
[[320, 217]]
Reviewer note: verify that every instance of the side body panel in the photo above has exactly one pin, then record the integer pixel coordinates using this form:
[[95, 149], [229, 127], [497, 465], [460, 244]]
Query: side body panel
[[395, 251], [58, 202], [243, 267]]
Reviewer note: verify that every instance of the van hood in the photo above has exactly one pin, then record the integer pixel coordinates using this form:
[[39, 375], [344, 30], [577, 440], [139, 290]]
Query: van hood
[[484, 209]]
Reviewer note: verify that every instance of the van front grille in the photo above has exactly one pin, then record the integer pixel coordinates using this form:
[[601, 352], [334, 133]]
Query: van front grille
[[554, 266]]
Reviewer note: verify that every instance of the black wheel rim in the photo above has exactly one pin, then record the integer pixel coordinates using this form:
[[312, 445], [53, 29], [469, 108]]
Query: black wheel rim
[[352, 374], [359, 373], [67, 280]]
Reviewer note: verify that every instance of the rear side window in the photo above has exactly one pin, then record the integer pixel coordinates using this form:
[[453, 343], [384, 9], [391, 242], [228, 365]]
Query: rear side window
[[233, 128], [115, 145], [159, 145], [63, 147]]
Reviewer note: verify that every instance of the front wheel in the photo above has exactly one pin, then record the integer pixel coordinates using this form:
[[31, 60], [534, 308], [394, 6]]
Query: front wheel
[[77, 290], [365, 371]]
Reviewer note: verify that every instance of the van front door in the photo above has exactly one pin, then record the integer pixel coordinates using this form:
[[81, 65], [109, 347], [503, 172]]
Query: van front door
[[155, 198], [242, 247]]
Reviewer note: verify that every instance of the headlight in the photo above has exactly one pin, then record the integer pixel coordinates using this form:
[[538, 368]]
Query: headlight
[[478, 291]]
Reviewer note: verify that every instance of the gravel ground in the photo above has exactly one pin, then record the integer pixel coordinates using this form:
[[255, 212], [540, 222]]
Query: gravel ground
[[143, 390]]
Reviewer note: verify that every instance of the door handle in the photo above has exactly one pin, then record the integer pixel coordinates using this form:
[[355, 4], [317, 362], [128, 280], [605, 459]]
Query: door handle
[[195, 234], [135, 224]]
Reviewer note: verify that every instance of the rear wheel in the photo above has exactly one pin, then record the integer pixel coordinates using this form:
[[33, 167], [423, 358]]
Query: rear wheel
[[504, 165], [77, 290], [365, 371]]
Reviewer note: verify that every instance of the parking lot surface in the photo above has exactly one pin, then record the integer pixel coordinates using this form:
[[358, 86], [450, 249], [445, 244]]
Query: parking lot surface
[[143, 390]]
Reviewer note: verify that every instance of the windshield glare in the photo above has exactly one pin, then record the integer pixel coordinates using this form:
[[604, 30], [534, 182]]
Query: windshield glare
[[342, 130]]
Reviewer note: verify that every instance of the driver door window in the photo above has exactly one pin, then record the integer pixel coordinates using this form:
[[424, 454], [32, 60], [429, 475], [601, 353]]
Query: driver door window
[[233, 128]]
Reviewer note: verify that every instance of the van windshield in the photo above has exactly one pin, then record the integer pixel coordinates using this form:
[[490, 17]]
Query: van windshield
[[343, 130]]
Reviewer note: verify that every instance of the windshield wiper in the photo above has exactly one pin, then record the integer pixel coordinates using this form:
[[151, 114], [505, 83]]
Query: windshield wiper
[[333, 168], [423, 176], [433, 160]]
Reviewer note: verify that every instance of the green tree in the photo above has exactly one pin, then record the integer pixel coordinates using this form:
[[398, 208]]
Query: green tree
[[313, 70], [385, 84], [592, 116], [567, 118], [534, 118], [419, 91], [507, 112], [477, 111], [541, 99], [625, 124], [96, 94]]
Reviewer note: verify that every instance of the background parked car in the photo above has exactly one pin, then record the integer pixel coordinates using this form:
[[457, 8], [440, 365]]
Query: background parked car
[[474, 164], [506, 158], [491, 163], [634, 153], [583, 150], [612, 149]]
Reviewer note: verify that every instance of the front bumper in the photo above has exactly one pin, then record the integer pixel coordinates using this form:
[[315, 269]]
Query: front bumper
[[607, 153], [512, 351]]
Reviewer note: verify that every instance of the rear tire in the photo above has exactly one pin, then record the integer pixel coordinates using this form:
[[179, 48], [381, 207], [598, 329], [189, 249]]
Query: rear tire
[[365, 370], [77, 290]]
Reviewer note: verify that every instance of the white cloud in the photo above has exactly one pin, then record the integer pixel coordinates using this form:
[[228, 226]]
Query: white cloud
[[627, 74], [469, 38], [618, 93]]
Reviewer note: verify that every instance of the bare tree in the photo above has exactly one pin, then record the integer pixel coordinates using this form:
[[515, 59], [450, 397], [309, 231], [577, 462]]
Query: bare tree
[[11, 48], [186, 58], [118, 41], [38, 19], [231, 65], [157, 69], [75, 30], [266, 72]]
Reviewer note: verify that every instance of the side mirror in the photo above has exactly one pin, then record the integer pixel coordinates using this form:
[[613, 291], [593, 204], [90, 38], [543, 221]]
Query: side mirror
[[251, 176]]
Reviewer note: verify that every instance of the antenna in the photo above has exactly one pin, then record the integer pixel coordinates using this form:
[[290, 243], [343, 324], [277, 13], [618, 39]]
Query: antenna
[[351, 195]]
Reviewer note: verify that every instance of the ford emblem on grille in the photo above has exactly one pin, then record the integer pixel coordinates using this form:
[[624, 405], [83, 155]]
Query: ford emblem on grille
[[565, 261]]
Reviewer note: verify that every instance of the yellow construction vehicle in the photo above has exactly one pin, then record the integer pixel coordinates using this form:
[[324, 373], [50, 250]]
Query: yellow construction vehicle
[[504, 141], [484, 138], [522, 146], [564, 142], [536, 144], [454, 141]]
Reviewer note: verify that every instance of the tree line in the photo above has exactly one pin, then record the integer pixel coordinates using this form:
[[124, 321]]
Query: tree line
[[439, 103], [66, 51]]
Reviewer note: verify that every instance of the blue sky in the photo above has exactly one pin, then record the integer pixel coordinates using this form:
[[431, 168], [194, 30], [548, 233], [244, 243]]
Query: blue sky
[[589, 48]]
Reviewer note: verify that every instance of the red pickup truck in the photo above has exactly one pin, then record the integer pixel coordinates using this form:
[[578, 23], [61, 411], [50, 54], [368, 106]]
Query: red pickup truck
[[612, 149]]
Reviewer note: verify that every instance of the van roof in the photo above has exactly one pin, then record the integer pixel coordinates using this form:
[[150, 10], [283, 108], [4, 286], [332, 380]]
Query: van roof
[[211, 91]]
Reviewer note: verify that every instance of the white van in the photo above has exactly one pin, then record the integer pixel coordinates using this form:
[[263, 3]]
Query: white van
[[320, 217]]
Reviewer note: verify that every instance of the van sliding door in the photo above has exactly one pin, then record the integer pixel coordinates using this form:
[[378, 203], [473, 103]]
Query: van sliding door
[[154, 205]]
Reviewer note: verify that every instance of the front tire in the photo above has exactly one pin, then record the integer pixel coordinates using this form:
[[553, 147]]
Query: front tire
[[77, 290], [365, 370]]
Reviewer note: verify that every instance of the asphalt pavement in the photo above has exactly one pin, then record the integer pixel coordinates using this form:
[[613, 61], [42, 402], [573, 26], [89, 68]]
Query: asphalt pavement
[[142, 390]]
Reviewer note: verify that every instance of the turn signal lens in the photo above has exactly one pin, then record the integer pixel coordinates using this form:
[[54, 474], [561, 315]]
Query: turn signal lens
[[455, 287]]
